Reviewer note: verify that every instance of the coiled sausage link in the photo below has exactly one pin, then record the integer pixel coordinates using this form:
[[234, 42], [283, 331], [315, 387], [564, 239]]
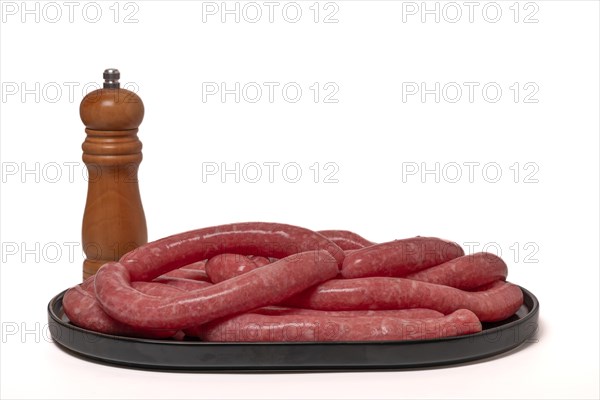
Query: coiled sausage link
[[399, 257], [249, 238], [82, 309], [310, 328], [466, 272], [264, 286], [498, 302]]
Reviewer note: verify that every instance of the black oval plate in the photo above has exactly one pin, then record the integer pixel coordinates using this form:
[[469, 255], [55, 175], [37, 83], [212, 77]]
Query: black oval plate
[[495, 338]]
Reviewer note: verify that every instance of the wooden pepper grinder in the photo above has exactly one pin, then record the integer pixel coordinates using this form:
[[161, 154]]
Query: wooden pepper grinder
[[113, 221]]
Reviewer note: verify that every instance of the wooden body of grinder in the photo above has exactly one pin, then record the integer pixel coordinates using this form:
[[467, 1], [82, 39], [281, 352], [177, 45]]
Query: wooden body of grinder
[[113, 221]]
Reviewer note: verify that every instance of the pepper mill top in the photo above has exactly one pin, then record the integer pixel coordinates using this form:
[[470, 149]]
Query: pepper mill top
[[111, 78], [111, 108]]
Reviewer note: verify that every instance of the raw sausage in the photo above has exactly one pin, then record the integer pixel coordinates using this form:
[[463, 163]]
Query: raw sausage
[[250, 238], [264, 286], [466, 272], [391, 291], [310, 328], [83, 310], [499, 302], [399, 257]]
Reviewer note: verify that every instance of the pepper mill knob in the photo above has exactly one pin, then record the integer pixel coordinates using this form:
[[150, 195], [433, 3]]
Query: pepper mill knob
[[111, 78], [113, 222]]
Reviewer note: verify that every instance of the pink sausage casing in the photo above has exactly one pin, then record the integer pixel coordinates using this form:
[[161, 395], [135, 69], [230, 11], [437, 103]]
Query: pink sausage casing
[[82, 309], [498, 302], [310, 328], [466, 272], [399, 257], [250, 238], [264, 286]]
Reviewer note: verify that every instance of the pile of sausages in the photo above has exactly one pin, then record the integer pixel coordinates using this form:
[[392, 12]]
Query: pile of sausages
[[270, 282]]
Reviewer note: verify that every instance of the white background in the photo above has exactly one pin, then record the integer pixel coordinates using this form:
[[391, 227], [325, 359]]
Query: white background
[[544, 220]]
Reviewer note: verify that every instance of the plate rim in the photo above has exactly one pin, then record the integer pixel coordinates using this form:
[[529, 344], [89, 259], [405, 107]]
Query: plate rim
[[530, 302]]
